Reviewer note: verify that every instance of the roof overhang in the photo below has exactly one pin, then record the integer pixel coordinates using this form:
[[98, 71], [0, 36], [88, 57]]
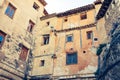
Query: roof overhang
[[76, 10], [44, 3], [103, 9], [97, 2], [48, 16]]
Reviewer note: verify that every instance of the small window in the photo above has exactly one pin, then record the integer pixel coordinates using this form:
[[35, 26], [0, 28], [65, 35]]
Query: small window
[[24, 53], [84, 51], [89, 35], [42, 62], [45, 12], [65, 19], [95, 39], [83, 15], [46, 39], [35, 6], [71, 58], [10, 11], [48, 23], [2, 38], [30, 26], [69, 38]]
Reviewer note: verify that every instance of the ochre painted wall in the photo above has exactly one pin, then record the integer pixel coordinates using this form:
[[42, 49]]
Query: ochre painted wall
[[87, 62]]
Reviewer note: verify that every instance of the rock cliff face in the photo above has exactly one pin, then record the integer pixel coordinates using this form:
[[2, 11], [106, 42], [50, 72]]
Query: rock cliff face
[[109, 59]]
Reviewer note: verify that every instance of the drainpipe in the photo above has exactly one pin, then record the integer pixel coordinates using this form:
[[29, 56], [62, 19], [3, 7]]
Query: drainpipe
[[80, 39]]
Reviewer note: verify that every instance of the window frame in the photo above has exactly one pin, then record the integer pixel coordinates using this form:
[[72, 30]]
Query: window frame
[[69, 35], [30, 26], [42, 63], [71, 58], [83, 15], [47, 40], [36, 6], [89, 34], [8, 10]]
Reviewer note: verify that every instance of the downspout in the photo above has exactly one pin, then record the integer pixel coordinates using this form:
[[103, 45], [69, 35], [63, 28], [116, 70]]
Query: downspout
[[80, 39], [80, 34]]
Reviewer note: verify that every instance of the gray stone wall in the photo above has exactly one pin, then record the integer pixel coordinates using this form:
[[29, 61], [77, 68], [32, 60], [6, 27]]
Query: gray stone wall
[[9, 55], [112, 15], [109, 59]]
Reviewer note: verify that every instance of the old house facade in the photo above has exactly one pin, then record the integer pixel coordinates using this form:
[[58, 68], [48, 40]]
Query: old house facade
[[18, 20], [35, 45], [66, 44], [108, 52]]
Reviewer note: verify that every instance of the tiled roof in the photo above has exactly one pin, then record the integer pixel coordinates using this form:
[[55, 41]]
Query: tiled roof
[[48, 16], [98, 2], [76, 10], [69, 12]]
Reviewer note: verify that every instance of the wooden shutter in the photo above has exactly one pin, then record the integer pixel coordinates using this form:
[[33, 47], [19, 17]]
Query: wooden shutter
[[24, 52]]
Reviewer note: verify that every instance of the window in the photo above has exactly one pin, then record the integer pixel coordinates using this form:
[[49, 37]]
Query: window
[[84, 51], [42, 62], [10, 11], [71, 58], [45, 12], [2, 38], [30, 26], [48, 23], [23, 54], [35, 6], [106, 16], [46, 39], [65, 19], [69, 38], [95, 39], [89, 35], [83, 15]]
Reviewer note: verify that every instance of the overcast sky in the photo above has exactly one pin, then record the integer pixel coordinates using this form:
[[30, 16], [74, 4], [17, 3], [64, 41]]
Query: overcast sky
[[63, 5]]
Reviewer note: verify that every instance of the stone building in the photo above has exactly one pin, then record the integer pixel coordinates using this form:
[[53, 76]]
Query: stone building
[[66, 45], [108, 25], [18, 21], [38, 46]]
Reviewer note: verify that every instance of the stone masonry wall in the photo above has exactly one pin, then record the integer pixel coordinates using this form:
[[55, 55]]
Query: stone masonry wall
[[112, 15], [17, 35], [109, 59]]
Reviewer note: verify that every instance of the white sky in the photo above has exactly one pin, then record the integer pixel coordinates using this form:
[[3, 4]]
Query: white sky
[[63, 5]]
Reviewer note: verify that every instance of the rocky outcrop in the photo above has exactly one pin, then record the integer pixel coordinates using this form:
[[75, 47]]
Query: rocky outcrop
[[109, 59]]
